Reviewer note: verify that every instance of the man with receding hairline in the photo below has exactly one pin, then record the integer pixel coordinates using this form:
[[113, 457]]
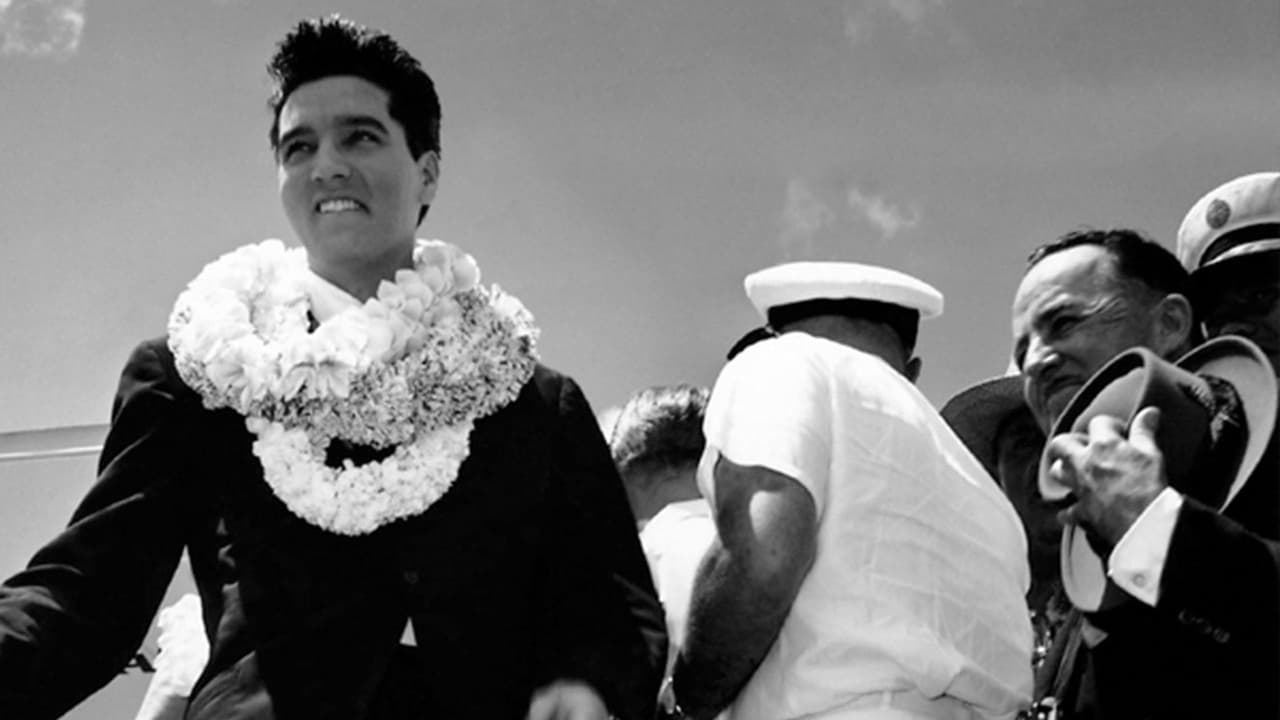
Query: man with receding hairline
[[1194, 632], [1085, 298]]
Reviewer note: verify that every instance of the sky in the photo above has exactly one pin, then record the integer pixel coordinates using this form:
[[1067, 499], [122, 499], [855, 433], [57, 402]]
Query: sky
[[619, 166]]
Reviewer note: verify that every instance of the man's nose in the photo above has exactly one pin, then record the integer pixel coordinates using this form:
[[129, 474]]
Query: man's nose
[[329, 164], [1039, 357]]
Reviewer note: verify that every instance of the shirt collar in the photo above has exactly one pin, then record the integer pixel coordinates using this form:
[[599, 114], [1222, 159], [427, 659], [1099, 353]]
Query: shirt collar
[[680, 509], [326, 298]]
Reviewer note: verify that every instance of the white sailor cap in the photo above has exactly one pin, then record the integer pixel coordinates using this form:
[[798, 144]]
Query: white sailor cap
[[1238, 218], [798, 282]]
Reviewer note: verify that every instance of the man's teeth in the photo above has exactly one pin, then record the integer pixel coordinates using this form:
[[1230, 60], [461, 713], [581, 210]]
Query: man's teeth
[[333, 206]]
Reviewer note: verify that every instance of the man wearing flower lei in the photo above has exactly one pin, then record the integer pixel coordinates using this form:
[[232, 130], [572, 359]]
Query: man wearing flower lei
[[391, 509]]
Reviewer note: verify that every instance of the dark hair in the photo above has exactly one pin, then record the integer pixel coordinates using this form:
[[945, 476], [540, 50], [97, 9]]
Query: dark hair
[[324, 47], [1137, 257], [660, 427], [904, 321]]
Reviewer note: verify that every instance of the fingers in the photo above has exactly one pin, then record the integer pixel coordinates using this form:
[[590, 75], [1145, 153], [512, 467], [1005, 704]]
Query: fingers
[[1105, 428], [1059, 475], [1063, 453], [566, 700], [1142, 432], [540, 709], [1113, 472], [1065, 446], [545, 704]]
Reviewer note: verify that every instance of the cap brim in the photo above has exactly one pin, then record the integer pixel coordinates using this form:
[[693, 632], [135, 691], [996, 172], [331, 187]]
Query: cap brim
[[1247, 250]]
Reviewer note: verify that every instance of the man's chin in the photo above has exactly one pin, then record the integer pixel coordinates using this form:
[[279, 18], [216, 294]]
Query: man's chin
[[1043, 420], [1057, 404]]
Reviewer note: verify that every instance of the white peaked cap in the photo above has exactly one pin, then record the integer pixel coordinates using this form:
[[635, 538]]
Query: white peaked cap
[[802, 281], [1236, 219]]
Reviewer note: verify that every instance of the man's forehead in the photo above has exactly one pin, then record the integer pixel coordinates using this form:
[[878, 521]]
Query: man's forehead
[[333, 99], [1080, 270], [305, 123]]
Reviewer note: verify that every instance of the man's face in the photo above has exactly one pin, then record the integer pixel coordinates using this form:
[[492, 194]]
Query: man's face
[[1073, 313], [1242, 297], [349, 185]]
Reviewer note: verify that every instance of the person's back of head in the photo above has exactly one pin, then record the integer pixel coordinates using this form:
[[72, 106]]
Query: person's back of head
[[656, 442], [883, 329], [873, 309]]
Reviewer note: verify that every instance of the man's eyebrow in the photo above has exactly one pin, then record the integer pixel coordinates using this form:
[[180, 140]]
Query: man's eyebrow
[[1057, 306], [343, 121], [363, 121], [293, 134]]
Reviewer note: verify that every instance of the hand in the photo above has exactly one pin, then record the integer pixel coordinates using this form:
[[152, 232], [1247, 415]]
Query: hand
[[1113, 478], [567, 700]]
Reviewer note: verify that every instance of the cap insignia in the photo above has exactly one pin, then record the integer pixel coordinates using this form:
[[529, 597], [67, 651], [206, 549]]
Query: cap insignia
[[1218, 214]]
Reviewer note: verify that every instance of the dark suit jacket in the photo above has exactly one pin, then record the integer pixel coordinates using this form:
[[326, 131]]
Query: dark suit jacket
[[1211, 646], [527, 570]]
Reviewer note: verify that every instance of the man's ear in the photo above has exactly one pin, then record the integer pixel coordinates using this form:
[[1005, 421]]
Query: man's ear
[[912, 370], [1174, 323], [429, 164]]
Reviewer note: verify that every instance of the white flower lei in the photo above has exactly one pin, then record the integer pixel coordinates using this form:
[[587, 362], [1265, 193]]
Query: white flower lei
[[410, 370]]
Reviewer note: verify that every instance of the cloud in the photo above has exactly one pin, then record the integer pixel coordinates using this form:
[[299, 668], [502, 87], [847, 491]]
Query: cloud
[[854, 26], [824, 218], [884, 216], [41, 28], [804, 215], [912, 12], [862, 16]]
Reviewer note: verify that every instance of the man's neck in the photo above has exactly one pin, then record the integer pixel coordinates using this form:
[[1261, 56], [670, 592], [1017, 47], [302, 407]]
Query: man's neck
[[360, 287], [869, 337], [361, 281]]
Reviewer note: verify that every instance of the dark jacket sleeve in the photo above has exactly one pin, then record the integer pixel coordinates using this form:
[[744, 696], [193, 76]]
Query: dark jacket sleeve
[[1220, 600], [1221, 580], [601, 616], [1221, 586], [1211, 646], [77, 613]]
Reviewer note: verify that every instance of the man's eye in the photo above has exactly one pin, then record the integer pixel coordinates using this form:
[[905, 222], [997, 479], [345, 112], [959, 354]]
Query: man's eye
[[1063, 324], [294, 149], [358, 137]]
